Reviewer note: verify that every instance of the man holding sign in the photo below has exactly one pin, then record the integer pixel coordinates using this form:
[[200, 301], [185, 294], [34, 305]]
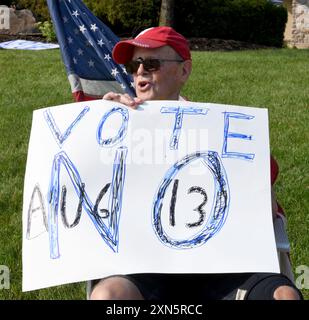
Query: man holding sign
[[160, 61]]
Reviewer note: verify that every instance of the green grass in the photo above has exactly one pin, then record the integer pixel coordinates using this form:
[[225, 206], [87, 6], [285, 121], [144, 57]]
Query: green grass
[[276, 79]]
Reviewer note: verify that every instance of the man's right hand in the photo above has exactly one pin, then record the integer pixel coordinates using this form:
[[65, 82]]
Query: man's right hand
[[132, 102]]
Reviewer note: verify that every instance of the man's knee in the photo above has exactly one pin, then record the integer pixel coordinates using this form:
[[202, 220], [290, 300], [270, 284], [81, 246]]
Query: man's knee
[[274, 287], [286, 293], [115, 288]]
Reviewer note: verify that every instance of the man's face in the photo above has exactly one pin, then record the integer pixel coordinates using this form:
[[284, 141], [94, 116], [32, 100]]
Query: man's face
[[165, 83]]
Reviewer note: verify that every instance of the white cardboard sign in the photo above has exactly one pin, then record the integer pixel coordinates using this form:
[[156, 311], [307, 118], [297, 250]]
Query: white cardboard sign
[[173, 187]]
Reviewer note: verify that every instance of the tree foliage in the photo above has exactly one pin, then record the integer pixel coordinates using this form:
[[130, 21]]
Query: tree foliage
[[38, 7], [257, 21], [127, 16]]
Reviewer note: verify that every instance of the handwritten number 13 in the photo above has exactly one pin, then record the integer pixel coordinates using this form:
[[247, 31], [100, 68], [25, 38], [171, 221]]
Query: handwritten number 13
[[199, 209]]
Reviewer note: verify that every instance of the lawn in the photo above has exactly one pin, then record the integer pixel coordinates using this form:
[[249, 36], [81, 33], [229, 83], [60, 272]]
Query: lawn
[[275, 79]]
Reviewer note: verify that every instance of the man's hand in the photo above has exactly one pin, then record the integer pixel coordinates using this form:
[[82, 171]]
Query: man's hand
[[125, 99]]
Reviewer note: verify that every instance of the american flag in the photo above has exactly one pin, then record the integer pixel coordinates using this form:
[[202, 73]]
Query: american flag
[[86, 45]]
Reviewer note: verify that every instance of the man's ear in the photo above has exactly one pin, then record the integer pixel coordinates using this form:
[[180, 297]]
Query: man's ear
[[186, 70]]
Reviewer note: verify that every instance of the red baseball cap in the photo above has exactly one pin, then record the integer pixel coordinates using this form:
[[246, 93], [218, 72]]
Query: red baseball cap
[[152, 38]]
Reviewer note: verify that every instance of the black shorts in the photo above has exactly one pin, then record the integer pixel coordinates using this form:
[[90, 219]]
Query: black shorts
[[201, 287]]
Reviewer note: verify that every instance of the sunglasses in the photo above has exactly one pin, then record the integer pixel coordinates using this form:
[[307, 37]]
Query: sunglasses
[[149, 64]]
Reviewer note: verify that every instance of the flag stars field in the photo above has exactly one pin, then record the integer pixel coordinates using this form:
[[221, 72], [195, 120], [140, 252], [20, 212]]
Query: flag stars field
[[82, 28], [107, 57], [85, 41], [94, 27], [114, 72], [75, 13], [100, 42]]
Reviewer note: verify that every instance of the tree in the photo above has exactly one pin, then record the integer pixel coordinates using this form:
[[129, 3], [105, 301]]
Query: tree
[[167, 13]]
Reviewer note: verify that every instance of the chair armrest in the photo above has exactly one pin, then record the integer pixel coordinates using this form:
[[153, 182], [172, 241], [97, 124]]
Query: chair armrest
[[282, 241]]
